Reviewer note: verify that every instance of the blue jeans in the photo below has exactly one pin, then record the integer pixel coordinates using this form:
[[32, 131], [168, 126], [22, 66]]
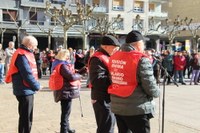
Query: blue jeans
[[195, 76], [178, 73], [1, 72]]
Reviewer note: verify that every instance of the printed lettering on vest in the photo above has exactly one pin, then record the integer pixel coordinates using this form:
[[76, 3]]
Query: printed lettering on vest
[[123, 69]]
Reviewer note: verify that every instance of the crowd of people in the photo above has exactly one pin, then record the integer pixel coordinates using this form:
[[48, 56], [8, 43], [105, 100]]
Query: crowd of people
[[123, 79], [179, 66]]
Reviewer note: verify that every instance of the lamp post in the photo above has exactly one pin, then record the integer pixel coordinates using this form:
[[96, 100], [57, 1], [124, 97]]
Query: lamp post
[[65, 17]]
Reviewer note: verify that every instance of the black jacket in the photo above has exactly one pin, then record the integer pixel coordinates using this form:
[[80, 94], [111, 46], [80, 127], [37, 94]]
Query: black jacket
[[99, 78]]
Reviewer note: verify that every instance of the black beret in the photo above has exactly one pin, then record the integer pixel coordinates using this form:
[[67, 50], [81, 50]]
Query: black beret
[[110, 40], [134, 36]]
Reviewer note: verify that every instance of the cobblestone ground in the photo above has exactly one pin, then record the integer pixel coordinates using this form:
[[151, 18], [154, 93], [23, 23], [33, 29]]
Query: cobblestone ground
[[182, 107]]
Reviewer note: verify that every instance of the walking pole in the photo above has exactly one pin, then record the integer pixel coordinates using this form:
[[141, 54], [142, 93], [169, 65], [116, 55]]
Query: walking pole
[[80, 106]]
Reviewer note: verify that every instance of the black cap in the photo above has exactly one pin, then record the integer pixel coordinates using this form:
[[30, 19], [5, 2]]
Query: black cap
[[134, 36], [110, 40]]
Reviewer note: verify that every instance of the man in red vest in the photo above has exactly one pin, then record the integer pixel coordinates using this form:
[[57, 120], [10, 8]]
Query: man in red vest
[[100, 81], [133, 86], [24, 77]]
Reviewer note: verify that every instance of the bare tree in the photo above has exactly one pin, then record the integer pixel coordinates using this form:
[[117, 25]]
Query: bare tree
[[193, 30], [65, 17], [49, 33], [172, 29], [2, 34]]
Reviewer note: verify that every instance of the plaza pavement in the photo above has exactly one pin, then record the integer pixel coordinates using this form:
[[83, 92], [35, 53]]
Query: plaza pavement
[[182, 111]]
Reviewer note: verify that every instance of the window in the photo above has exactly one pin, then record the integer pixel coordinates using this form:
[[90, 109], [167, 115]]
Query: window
[[9, 15], [138, 6], [96, 2], [118, 24], [58, 1], [118, 5], [151, 7], [33, 18], [138, 24]]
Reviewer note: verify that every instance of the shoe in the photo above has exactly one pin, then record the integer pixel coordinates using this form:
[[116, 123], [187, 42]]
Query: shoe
[[183, 83], [196, 83], [71, 131], [190, 83], [169, 82]]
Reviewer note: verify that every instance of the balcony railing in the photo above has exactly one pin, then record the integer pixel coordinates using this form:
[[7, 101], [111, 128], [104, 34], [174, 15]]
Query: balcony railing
[[158, 0], [158, 14], [100, 9], [118, 8], [35, 22], [37, 1], [138, 9]]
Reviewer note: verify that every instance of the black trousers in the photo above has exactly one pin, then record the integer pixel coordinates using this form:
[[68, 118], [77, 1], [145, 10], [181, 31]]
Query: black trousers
[[105, 119], [25, 110], [65, 112], [136, 124]]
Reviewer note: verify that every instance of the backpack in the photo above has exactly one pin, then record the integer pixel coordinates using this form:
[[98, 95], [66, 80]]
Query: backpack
[[56, 79]]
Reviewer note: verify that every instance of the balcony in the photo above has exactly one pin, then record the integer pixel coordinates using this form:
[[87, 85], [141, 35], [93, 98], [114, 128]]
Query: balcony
[[117, 8], [35, 22], [8, 25], [158, 14]]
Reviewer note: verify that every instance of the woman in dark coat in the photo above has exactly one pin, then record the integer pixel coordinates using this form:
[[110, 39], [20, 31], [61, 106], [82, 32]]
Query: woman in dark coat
[[69, 88]]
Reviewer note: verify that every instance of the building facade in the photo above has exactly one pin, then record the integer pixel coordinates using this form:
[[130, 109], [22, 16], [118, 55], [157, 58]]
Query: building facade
[[21, 17]]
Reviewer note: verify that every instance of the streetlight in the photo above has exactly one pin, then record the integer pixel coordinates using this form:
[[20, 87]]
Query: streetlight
[[65, 17]]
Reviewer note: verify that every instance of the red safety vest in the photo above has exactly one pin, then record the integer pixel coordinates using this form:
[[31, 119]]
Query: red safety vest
[[56, 80], [123, 70], [104, 58], [13, 69]]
